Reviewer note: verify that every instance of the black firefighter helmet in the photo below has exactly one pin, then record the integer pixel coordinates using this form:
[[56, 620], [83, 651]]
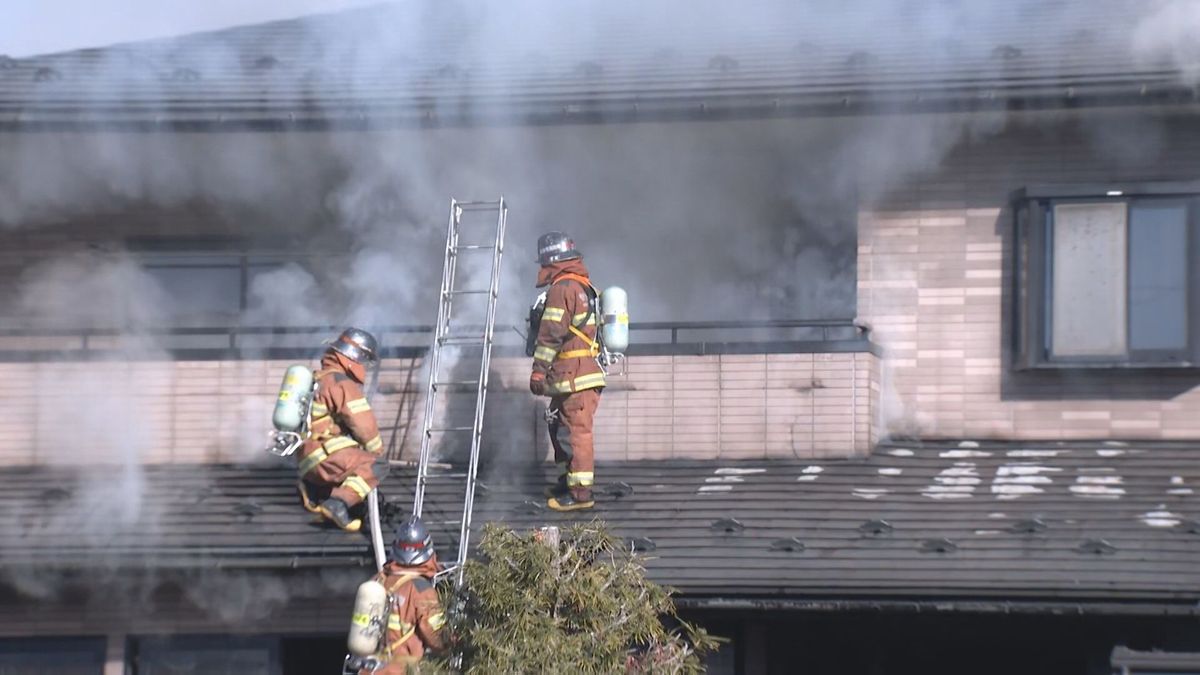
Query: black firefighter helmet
[[413, 544], [357, 345], [556, 247]]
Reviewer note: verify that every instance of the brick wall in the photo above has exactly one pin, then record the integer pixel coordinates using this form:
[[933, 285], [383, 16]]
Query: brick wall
[[735, 406], [934, 283]]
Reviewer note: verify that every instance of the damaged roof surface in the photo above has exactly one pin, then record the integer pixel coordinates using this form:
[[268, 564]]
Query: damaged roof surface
[[1080, 523], [433, 63]]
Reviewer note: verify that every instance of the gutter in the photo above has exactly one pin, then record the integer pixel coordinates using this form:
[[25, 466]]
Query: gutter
[[1023, 607]]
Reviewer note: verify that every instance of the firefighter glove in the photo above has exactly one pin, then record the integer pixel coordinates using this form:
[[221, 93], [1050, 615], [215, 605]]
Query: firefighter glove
[[537, 383]]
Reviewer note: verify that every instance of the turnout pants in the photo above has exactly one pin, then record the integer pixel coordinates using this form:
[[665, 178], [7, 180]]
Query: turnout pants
[[571, 436], [349, 475]]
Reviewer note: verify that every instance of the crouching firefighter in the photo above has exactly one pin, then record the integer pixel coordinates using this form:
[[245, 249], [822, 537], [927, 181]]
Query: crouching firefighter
[[340, 461], [565, 367], [402, 598]]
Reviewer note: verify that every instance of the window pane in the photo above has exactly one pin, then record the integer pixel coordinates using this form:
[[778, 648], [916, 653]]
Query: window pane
[[1158, 276], [69, 656], [204, 289], [1088, 300], [215, 656]]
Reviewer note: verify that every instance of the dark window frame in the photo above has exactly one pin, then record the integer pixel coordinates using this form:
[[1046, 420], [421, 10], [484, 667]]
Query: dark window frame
[[1032, 272], [144, 646]]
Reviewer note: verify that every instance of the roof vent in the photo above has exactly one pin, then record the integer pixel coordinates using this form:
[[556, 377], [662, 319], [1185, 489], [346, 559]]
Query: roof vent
[[641, 544], [46, 74], [56, 494], [265, 62], [617, 490], [1006, 53], [789, 545], [589, 69], [727, 525], [939, 545], [1028, 526], [248, 509], [1188, 527], [448, 71], [183, 75], [723, 63], [528, 507], [1097, 547], [861, 58], [874, 528]]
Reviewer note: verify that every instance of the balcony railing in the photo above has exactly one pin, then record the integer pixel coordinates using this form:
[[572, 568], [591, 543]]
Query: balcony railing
[[280, 342]]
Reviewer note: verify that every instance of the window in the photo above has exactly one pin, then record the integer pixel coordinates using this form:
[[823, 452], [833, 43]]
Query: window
[[36, 656], [1105, 277], [207, 656], [206, 289]]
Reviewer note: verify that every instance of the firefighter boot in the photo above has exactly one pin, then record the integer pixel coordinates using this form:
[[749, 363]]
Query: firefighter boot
[[310, 504], [336, 512], [559, 489], [574, 500]]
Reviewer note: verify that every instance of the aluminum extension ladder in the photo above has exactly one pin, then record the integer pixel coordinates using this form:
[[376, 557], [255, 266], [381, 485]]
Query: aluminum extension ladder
[[475, 337]]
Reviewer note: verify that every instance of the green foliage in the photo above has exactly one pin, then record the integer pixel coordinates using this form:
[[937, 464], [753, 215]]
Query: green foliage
[[583, 606]]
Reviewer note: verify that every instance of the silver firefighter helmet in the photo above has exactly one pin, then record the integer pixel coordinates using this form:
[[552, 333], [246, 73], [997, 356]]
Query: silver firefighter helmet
[[413, 544], [357, 345], [555, 247]]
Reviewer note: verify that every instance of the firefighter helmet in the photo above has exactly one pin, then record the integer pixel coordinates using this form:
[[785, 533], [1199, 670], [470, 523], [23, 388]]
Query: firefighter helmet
[[555, 247], [413, 544], [357, 345]]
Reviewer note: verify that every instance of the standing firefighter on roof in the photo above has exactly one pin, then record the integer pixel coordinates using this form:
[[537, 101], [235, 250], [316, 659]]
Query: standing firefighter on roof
[[565, 367], [340, 462]]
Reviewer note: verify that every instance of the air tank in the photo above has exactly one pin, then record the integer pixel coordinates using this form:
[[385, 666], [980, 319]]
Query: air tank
[[369, 619], [614, 318], [290, 407]]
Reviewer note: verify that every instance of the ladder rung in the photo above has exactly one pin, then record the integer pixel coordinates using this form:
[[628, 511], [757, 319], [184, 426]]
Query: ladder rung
[[470, 291], [439, 430], [474, 247], [478, 206], [461, 340], [460, 383]]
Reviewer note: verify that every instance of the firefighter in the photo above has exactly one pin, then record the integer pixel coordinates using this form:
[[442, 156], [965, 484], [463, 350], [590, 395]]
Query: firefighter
[[341, 459], [415, 615], [566, 369]]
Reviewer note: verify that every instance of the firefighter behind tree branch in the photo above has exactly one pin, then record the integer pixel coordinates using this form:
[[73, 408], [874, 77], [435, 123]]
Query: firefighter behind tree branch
[[565, 368], [340, 461]]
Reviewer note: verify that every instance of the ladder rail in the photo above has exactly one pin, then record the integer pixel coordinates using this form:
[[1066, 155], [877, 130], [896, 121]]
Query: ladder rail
[[481, 391], [440, 328]]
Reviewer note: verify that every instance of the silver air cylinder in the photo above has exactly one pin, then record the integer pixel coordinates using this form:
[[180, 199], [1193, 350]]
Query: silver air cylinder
[[369, 619], [290, 408], [614, 318]]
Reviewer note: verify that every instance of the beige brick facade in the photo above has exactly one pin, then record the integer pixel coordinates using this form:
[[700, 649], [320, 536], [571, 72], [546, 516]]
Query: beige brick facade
[[721, 406], [933, 286]]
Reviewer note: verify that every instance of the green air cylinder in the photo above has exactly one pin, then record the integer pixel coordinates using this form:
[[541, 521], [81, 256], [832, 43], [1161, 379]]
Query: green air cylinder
[[290, 407]]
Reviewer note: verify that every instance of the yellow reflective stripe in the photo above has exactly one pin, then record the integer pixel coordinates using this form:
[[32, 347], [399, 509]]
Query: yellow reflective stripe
[[436, 621], [363, 620], [577, 320], [339, 443], [309, 463], [358, 405], [553, 314], [319, 410], [544, 353], [375, 444], [358, 484], [576, 354], [584, 336], [562, 387], [580, 478], [331, 446], [320, 419], [589, 381], [395, 623]]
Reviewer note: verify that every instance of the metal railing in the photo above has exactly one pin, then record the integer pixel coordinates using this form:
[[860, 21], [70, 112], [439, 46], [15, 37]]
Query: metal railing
[[267, 342]]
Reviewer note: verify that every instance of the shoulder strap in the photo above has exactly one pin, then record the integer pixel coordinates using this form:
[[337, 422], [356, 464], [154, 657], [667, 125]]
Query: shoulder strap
[[404, 578]]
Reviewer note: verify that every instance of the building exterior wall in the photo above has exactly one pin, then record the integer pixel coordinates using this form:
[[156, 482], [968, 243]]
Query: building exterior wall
[[935, 286], [719, 406]]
